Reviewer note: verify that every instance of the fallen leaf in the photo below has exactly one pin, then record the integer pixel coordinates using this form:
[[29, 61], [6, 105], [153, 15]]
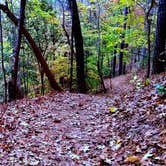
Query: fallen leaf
[[132, 159], [112, 109]]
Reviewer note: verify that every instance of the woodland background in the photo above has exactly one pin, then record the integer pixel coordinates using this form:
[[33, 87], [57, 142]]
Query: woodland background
[[117, 37]]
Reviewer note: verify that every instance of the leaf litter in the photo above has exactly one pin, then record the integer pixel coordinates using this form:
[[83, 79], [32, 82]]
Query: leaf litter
[[76, 129]]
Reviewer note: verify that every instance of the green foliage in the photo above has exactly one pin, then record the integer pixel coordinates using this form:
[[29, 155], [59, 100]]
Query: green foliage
[[60, 66], [92, 78], [160, 89], [113, 109], [147, 82], [43, 21]]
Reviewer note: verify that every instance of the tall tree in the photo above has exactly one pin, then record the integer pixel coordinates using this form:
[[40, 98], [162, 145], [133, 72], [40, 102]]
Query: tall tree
[[77, 34], [113, 73], [147, 7], [148, 21], [69, 37], [122, 45], [159, 60], [2, 59], [100, 56], [18, 45]]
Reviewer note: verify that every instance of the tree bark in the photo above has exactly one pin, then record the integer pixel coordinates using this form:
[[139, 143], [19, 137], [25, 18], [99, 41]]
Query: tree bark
[[121, 58], [122, 45], [35, 48], [2, 59], [148, 29], [70, 42], [71, 60], [114, 62], [159, 60], [63, 23], [17, 47], [149, 47], [77, 34], [100, 56]]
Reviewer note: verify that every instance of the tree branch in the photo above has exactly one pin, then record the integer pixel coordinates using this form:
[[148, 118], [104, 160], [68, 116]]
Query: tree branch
[[35, 48]]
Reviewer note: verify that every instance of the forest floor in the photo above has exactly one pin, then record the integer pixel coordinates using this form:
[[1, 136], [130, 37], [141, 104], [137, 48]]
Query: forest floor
[[126, 126]]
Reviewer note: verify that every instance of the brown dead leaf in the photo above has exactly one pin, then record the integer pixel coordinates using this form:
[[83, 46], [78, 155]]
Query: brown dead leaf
[[4, 146], [2, 129], [132, 159]]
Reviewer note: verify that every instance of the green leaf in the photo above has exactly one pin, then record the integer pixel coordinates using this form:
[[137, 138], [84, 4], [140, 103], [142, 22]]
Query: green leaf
[[113, 109]]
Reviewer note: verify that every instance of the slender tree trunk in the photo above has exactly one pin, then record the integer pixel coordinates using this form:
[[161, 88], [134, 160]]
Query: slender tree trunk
[[122, 45], [100, 59], [24, 74], [28, 75], [159, 60], [71, 60], [70, 43], [148, 28], [124, 68], [42, 81], [63, 24], [121, 58], [81, 84], [17, 46], [35, 48], [2, 59], [114, 63], [13, 30], [149, 47], [114, 67]]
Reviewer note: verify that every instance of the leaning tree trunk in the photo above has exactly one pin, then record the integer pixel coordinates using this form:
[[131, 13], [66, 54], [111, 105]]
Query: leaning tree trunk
[[35, 48], [77, 34], [159, 60]]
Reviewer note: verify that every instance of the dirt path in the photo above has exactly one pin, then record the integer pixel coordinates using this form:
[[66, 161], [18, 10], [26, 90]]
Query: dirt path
[[58, 130], [67, 129], [119, 85]]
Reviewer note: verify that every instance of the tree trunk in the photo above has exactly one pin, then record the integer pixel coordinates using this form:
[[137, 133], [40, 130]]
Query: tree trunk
[[100, 58], [77, 34], [63, 23], [24, 77], [159, 60], [2, 60], [42, 81], [17, 47], [149, 47], [70, 43], [114, 63], [121, 58], [35, 48], [71, 60], [122, 45], [148, 29]]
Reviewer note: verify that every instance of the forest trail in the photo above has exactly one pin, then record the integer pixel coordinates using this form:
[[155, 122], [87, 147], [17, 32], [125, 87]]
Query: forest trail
[[118, 85], [58, 129], [62, 129]]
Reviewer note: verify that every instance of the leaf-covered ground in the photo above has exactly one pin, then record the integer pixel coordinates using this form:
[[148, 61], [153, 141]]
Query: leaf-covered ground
[[121, 128]]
